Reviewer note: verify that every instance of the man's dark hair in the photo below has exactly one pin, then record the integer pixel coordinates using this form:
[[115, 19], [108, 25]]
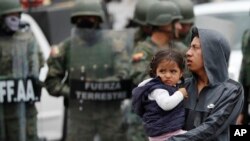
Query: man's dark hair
[[195, 33]]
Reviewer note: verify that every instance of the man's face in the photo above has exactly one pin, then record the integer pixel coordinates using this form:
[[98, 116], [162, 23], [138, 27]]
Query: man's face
[[183, 32], [171, 30], [194, 56], [177, 29], [166, 28]]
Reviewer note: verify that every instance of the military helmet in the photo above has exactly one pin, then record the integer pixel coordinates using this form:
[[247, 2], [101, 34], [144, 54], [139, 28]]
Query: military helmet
[[141, 8], [9, 6], [87, 8], [187, 10], [162, 13]]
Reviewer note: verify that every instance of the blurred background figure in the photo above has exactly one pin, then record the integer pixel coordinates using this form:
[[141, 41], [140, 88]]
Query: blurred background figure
[[244, 77], [139, 20], [187, 22], [20, 88], [163, 17], [90, 69]]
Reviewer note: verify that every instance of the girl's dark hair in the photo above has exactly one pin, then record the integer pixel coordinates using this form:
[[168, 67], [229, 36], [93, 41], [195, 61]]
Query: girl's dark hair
[[166, 54]]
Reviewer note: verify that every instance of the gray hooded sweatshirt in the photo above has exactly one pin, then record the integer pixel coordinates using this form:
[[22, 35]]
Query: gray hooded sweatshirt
[[211, 112]]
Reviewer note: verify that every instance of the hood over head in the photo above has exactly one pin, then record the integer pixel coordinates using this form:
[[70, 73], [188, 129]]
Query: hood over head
[[216, 52]]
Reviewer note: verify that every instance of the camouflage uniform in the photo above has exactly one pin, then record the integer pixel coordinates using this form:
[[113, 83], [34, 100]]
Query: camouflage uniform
[[187, 12], [244, 77], [139, 18], [98, 58], [21, 60]]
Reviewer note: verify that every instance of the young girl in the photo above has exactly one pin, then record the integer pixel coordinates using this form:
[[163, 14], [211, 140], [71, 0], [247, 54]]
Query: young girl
[[158, 100]]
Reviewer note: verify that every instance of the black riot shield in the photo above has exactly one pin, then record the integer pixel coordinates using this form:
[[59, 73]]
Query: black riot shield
[[98, 77], [2, 129], [18, 84], [99, 64]]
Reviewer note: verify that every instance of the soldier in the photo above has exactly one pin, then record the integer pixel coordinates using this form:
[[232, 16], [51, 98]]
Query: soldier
[[139, 19], [164, 18], [20, 88], [187, 12], [244, 77], [90, 69]]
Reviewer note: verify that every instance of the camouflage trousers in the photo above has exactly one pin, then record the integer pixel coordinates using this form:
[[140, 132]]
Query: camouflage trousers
[[18, 128], [135, 131], [97, 121]]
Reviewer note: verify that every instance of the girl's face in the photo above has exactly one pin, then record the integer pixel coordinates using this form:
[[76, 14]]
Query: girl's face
[[169, 72]]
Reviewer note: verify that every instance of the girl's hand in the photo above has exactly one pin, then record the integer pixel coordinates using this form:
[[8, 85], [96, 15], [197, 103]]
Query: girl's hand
[[184, 92]]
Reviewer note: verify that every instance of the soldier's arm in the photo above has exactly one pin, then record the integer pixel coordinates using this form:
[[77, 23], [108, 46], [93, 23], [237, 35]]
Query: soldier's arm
[[140, 61], [35, 56], [57, 64], [122, 59]]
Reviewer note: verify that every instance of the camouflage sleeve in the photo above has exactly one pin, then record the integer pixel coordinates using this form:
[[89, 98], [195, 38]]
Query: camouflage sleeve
[[180, 47], [140, 61], [122, 65], [36, 59], [122, 51], [57, 64]]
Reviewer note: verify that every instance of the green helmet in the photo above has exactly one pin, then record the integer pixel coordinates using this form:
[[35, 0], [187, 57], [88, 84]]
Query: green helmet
[[187, 10], [9, 6], [87, 8], [141, 8], [162, 13]]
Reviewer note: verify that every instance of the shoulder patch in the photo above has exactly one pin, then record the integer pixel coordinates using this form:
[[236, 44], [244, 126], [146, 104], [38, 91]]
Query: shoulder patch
[[137, 56], [54, 52]]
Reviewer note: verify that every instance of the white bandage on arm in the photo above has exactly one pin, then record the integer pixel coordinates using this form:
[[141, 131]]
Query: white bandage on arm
[[164, 100]]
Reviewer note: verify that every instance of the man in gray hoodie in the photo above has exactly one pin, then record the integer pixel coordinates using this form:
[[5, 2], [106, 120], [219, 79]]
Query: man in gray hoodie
[[214, 100]]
